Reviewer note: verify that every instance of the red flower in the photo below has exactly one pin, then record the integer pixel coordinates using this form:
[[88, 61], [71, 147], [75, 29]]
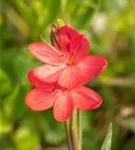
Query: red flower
[[63, 100], [68, 60]]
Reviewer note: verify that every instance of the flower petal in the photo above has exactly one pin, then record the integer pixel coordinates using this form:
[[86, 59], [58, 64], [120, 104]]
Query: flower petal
[[40, 100], [91, 67], [48, 73], [39, 83], [72, 43], [46, 53], [85, 98], [68, 38], [82, 72], [70, 77], [63, 107], [82, 49]]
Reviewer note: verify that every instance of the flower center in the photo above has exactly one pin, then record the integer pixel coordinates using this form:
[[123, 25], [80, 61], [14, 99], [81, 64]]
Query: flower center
[[71, 63]]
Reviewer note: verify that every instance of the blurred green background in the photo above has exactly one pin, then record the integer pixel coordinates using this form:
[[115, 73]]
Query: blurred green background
[[110, 27]]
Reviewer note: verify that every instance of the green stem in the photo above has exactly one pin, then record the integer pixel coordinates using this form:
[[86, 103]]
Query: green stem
[[72, 131], [68, 134], [80, 133]]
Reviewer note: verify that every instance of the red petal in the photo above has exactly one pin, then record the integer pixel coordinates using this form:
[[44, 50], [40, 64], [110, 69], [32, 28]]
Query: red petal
[[48, 73], [82, 72], [72, 43], [70, 77], [85, 98], [46, 53], [82, 50], [63, 107], [40, 100], [91, 67], [68, 38], [38, 83]]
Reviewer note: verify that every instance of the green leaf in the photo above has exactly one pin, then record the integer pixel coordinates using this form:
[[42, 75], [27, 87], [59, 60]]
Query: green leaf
[[18, 107], [108, 139], [25, 11], [86, 17], [5, 124], [20, 24], [25, 63], [4, 83], [10, 100], [53, 8], [70, 6]]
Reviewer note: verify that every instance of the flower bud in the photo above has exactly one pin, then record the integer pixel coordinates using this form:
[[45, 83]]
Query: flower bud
[[54, 36]]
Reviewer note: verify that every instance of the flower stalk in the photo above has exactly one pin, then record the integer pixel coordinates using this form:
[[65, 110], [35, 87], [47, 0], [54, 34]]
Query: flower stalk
[[74, 131], [67, 127], [80, 129]]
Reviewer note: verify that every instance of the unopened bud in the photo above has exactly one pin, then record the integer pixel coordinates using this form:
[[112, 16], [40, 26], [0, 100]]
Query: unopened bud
[[54, 36]]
